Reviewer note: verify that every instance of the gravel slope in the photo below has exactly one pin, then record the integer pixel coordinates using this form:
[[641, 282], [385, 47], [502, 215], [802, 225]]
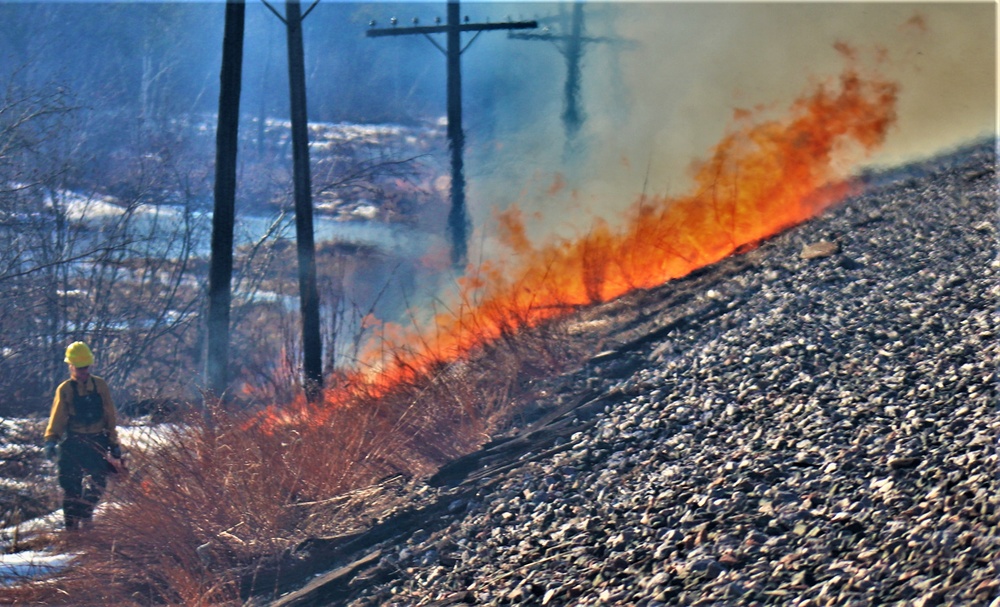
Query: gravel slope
[[798, 426]]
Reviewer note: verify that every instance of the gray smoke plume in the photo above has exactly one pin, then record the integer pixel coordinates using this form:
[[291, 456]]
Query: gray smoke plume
[[667, 91]]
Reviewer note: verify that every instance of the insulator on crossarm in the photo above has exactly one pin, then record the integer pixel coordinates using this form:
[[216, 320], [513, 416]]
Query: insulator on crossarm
[[416, 21], [371, 23], [393, 21]]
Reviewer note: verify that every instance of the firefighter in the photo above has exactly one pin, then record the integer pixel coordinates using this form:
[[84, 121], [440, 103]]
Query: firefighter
[[83, 416]]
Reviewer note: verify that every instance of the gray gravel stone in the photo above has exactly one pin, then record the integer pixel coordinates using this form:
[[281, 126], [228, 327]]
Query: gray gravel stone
[[827, 436]]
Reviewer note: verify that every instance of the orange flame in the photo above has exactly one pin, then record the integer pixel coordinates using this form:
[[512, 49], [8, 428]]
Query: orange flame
[[758, 181]]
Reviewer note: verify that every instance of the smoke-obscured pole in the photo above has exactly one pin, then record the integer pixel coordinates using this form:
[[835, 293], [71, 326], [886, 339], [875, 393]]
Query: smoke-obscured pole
[[226, 144], [572, 116], [458, 217], [569, 38], [312, 348]]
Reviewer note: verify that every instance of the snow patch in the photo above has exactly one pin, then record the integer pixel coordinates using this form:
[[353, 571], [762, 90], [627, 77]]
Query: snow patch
[[23, 566]]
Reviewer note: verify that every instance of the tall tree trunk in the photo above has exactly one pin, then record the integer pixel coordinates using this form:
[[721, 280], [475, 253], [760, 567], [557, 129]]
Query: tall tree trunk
[[226, 145], [312, 348]]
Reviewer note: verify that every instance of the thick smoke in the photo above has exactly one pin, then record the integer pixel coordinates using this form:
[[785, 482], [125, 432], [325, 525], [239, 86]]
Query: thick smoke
[[667, 89], [659, 84]]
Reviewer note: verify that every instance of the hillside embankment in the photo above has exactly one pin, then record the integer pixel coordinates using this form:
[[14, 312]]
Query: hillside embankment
[[813, 422]]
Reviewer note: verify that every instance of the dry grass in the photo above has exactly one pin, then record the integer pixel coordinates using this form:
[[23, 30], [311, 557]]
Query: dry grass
[[210, 502]]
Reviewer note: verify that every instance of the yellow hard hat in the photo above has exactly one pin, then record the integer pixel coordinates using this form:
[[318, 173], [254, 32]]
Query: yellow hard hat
[[79, 355]]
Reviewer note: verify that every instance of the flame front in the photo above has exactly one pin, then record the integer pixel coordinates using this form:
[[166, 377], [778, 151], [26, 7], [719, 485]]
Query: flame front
[[762, 178]]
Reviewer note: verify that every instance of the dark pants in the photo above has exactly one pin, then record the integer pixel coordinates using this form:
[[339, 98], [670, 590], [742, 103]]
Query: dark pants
[[83, 475]]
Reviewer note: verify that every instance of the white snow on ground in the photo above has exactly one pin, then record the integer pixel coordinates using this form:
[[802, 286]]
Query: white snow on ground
[[13, 450], [30, 528], [14, 485], [9, 424], [20, 567], [98, 210], [23, 566], [140, 437], [80, 207]]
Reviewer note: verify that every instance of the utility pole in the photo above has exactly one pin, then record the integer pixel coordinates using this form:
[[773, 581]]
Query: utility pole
[[312, 347], [458, 218], [570, 42], [226, 143]]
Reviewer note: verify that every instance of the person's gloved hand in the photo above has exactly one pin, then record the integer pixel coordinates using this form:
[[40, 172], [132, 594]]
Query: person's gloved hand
[[50, 450], [115, 451]]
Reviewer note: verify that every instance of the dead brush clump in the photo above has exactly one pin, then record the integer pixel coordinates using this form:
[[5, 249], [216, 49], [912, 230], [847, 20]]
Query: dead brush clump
[[217, 496]]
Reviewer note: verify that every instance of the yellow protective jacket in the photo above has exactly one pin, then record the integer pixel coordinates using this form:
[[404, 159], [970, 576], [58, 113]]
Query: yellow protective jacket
[[61, 419]]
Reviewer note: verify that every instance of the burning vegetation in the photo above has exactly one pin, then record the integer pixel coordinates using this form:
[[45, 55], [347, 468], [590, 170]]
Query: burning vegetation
[[762, 178], [226, 490]]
